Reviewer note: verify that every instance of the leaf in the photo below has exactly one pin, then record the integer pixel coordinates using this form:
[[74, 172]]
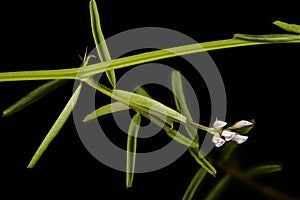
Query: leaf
[[105, 110], [194, 184], [182, 105], [100, 40], [90, 70], [264, 169], [154, 107], [175, 135], [33, 96], [169, 122], [108, 92], [192, 131], [142, 91], [268, 37], [219, 188], [288, 27], [203, 161], [172, 133], [143, 104], [227, 151], [131, 148], [118, 106], [136, 102], [224, 182], [56, 127]]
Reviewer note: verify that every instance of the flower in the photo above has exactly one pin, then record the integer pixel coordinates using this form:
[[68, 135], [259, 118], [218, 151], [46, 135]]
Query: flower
[[242, 124], [218, 141], [230, 133], [242, 127], [239, 139], [218, 124]]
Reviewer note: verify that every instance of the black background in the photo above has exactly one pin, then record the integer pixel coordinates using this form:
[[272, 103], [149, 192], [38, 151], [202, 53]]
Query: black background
[[261, 83]]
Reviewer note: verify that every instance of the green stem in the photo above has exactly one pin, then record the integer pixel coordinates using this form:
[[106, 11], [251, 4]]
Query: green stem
[[177, 136], [79, 73], [107, 91]]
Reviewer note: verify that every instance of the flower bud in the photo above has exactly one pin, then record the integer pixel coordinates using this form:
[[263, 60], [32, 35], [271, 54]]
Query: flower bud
[[242, 127], [218, 124]]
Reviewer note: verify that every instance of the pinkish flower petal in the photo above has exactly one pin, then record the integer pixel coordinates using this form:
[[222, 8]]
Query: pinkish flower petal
[[242, 123], [239, 139], [218, 141], [228, 135], [218, 124]]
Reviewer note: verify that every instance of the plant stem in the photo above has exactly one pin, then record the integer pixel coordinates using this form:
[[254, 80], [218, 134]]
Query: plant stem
[[107, 91], [80, 73]]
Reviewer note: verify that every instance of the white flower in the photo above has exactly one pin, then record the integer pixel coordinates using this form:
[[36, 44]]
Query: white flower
[[218, 141], [218, 124], [232, 133], [242, 123], [228, 135], [239, 139]]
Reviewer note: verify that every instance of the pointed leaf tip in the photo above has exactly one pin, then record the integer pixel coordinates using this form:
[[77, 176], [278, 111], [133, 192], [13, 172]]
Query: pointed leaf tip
[[105, 110], [131, 148], [100, 41], [263, 169], [56, 127], [203, 161], [33, 96], [294, 28]]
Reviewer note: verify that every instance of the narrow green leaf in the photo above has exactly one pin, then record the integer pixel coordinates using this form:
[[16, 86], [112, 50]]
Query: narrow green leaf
[[253, 172], [143, 104], [227, 151], [170, 132], [142, 91], [182, 105], [268, 37], [82, 73], [100, 40], [169, 122], [118, 106], [194, 184], [137, 102], [33, 96], [105, 110], [264, 169], [154, 107], [217, 190], [203, 161], [131, 148], [179, 93], [56, 127], [294, 28], [182, 139]]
